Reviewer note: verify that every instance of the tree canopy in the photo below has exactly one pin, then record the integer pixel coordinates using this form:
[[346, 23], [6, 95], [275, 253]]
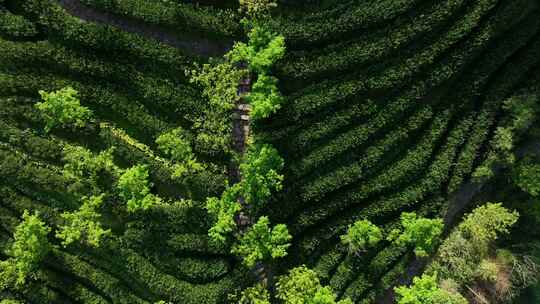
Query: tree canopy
[[262, 243], [29, 247], [62, 108], [361, 235]]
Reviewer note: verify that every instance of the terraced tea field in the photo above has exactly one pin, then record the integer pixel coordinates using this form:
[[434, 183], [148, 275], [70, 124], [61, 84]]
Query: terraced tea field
[[389, 106]]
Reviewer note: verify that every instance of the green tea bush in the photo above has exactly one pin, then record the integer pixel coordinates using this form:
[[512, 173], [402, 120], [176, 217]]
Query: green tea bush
[[16, 26]]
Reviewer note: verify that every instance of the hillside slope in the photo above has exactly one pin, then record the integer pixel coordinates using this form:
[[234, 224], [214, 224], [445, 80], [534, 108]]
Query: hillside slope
[[390, 106]]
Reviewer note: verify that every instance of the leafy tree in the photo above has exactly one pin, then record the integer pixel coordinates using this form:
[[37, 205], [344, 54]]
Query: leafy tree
[[30, 246], [302, 286], [257, 9], [223, 211], [260, 174], [460, 255], [83, 224], [527, 176], [62, 108], [255, 295], [259, 177], [487, 270], [263, 50], [265, 97], [134, 187], [176, 145], [420, 232], [84, 167], [361, 235], [487, 222], [219, 83], [262, 243], [425, 290]]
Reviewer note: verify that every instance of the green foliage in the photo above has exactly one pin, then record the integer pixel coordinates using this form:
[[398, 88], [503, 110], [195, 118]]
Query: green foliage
[[526, 176], [264, 97], [420, 232], [460, 255], [223, 211], [134, 187], [16, 26], [261, 243], [362, 235], [207, 19], [84, 167], [62, 108], [9, 301], [260, 175], [175, 144], [83, 224], [29, 248], [219, 82], [302, 286], [425, 290], [503, 139], [255, 295], [487, 222], [257, 9], [523, 110], [263, 50], [487, 270]]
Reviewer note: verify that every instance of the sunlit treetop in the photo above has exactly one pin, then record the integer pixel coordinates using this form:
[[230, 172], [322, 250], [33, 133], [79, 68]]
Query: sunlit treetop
[[62, 108]]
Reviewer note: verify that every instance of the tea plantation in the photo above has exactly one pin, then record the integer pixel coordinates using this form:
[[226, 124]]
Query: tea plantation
[[387, 107]]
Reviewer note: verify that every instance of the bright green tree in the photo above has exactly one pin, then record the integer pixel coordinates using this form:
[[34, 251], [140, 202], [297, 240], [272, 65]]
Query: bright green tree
[[487, 222], [62, 108], [83, 224], [262, 243], [29, 248], [82, 167], [425, 290], [460, 255], [175, 144], [219, 83], [223, 211], [255, 295], [302, 286], [134, 187], [263, 50], [361, 235], [260, 174], [265, 97], [422, 233]]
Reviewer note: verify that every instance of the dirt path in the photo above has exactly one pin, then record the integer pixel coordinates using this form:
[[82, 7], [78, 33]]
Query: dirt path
[[192, 44]]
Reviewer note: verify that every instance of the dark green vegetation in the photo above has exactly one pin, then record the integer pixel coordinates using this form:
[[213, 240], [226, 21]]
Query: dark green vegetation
[[389, 106]]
